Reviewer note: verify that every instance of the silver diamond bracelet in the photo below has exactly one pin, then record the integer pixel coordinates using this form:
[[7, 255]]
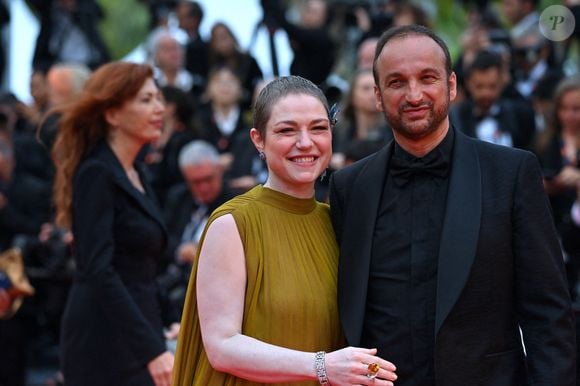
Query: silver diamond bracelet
[[320, 368]]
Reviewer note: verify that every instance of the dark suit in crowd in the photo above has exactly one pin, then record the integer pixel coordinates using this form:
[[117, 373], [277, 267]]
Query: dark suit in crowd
[[313, 47], [180, 206], [196, 62], [58, 23], [513, 117]]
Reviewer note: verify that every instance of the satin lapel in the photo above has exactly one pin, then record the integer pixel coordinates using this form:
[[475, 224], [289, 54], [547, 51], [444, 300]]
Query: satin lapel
[[123, 182], [460, 228], [357, 243]]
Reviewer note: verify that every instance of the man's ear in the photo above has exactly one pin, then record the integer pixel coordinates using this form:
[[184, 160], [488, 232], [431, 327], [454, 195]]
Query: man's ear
[[452, 86], [378, 98], [257, 139]]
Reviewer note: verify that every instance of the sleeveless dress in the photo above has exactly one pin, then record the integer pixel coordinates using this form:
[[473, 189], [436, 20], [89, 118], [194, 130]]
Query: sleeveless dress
[[290, 301]]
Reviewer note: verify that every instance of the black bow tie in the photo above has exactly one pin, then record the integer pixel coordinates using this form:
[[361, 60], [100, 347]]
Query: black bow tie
[[403, 168]]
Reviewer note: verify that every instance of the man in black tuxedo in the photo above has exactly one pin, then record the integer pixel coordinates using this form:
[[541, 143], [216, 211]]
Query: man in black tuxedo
[[447, 249], [485, 114]]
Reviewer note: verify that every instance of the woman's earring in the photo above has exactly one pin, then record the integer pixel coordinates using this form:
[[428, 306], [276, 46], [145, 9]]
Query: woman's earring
[[333, 114], [262, 155], [323, 175]]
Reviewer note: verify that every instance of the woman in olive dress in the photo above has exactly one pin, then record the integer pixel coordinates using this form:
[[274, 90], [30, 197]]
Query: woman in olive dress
[[261, 305]]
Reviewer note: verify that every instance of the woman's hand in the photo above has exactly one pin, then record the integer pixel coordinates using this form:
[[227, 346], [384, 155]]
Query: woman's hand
[[161, 369], [349, 366], [173, 331]]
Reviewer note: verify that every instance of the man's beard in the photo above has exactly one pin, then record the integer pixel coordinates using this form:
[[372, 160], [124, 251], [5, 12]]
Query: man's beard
[[417, 130]]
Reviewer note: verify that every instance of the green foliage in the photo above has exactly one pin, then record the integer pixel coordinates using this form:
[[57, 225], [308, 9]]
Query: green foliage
[[450, 23], [125, 26]]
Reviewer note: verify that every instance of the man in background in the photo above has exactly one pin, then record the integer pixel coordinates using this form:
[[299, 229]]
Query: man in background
[[187, 209]]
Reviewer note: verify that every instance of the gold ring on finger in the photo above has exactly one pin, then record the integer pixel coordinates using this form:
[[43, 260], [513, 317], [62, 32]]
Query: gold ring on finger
[[373, 370]]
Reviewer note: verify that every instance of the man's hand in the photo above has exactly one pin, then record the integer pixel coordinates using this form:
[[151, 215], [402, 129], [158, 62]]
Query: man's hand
[[161, 369], [187, 252]]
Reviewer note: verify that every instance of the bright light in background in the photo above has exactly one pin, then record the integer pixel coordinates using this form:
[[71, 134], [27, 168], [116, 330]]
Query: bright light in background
[[23, 29], [241, 16]]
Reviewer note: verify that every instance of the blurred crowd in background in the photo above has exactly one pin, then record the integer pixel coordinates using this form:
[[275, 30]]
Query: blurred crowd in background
[[516, 88]]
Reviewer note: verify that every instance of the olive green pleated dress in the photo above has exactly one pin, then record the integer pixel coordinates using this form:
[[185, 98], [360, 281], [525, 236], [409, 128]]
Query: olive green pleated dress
[[291, 262]]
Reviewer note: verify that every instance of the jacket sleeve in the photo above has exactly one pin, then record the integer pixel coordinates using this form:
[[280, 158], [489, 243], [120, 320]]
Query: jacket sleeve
[[93, 224], [543, 302]]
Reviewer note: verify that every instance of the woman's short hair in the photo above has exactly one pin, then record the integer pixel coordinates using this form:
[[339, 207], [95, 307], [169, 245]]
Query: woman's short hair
[[278, 89]]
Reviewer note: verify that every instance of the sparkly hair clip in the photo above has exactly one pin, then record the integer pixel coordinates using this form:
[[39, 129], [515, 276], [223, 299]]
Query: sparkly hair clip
[[334, 109]]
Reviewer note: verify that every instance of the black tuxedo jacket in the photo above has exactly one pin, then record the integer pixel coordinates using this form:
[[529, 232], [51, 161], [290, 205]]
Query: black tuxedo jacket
[[514, 117], [500, 268]]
